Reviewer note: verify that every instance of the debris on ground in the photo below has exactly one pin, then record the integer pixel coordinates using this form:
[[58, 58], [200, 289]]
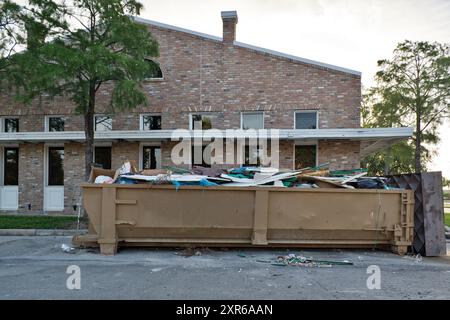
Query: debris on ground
[[415, 257], [67, 249], [189, 252], [301, 261], [245, 176]]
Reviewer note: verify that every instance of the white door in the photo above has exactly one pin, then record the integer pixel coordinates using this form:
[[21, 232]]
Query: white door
[[9, 178], [54, 179], [9, 198]]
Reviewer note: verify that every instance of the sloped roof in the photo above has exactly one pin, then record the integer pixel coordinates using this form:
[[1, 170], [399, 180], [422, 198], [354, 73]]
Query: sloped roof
[[248, 46]]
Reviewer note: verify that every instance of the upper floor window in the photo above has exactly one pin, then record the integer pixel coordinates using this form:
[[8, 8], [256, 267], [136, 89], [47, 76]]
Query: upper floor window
[[306, 120], [154, 71], [103, 123], [203, 121], [11, 125], [55, 124], [151, 122], [252, 120]]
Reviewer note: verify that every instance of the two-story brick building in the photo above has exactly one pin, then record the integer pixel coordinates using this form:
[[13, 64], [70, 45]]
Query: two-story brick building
[[223, 83]]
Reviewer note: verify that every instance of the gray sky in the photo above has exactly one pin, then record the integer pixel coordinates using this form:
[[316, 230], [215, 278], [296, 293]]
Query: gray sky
[[348, 33]]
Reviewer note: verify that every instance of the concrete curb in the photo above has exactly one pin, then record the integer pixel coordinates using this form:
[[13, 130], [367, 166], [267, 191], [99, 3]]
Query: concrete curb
[[40, 232]]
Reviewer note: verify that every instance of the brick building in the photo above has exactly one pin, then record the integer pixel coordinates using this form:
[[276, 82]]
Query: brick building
[[219, 82]]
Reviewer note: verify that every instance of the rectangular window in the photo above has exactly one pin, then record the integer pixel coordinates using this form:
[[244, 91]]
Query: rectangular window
[[151, 157], [306, 120], [203, 121], [103, 157], [253, 120], [55, 124], [11, 125], [151, 122], [55, 166], [11, 167], [103, 123], [305, 156]]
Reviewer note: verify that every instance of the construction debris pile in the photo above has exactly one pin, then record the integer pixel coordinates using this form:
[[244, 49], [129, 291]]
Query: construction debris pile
[[314, 177], [301, 261]]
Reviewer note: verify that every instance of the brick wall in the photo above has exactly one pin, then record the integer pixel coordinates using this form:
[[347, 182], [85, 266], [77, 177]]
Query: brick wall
[[123, 151], [73, 175], [206, 75], [31, 177], [341, 154]]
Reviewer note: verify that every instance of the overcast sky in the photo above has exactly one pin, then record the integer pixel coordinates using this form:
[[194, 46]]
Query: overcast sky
[[348, 33]]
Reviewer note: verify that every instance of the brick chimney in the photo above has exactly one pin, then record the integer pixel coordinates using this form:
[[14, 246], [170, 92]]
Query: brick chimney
[[230, 19]]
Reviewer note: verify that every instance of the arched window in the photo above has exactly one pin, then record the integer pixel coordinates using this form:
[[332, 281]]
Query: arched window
[[154, 70]]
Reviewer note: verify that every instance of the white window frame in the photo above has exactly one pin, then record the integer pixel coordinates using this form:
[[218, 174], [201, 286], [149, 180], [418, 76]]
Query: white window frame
[[200, 113], [2, 123], [306, 111], [141, 152], [102, 115], [253, 112], [141, 120], [47, 121], [305, 143]]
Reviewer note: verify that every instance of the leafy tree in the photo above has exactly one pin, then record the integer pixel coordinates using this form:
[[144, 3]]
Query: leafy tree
[[76, 47], [413, 89], [396, 159], [10, 38], [445, 182]]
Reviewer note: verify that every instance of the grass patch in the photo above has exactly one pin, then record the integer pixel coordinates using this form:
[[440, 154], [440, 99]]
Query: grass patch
[[36, 222], [447, 219]]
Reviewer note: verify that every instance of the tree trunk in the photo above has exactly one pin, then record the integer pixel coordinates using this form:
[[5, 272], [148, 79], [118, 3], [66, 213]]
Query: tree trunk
[[89, 132], [418, 145]]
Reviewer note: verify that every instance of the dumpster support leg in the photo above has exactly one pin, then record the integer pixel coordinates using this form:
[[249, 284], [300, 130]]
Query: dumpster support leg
[[108, 233], [261, 218]]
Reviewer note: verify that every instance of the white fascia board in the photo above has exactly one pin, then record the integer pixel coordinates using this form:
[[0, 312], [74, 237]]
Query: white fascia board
[[348, 133], [284, 134], [247, 46]]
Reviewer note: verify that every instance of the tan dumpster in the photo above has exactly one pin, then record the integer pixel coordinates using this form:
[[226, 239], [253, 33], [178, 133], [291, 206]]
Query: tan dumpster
[[152, 215]]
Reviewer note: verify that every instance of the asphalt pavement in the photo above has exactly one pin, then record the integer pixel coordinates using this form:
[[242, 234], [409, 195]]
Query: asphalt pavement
[[37, 268]]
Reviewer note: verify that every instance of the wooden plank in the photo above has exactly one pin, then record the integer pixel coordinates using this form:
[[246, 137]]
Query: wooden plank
[[433, 211]]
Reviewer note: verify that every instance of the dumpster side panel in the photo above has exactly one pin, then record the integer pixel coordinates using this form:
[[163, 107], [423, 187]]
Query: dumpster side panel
[[206, 214], [145, 214], [333, 211]]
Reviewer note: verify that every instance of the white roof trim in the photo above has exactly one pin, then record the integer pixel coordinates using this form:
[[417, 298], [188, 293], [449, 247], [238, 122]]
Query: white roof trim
[[248, 46], [284, 134], [170, 27]]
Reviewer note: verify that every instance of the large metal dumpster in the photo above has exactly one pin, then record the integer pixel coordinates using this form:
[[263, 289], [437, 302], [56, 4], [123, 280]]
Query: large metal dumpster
[[152, 215]]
